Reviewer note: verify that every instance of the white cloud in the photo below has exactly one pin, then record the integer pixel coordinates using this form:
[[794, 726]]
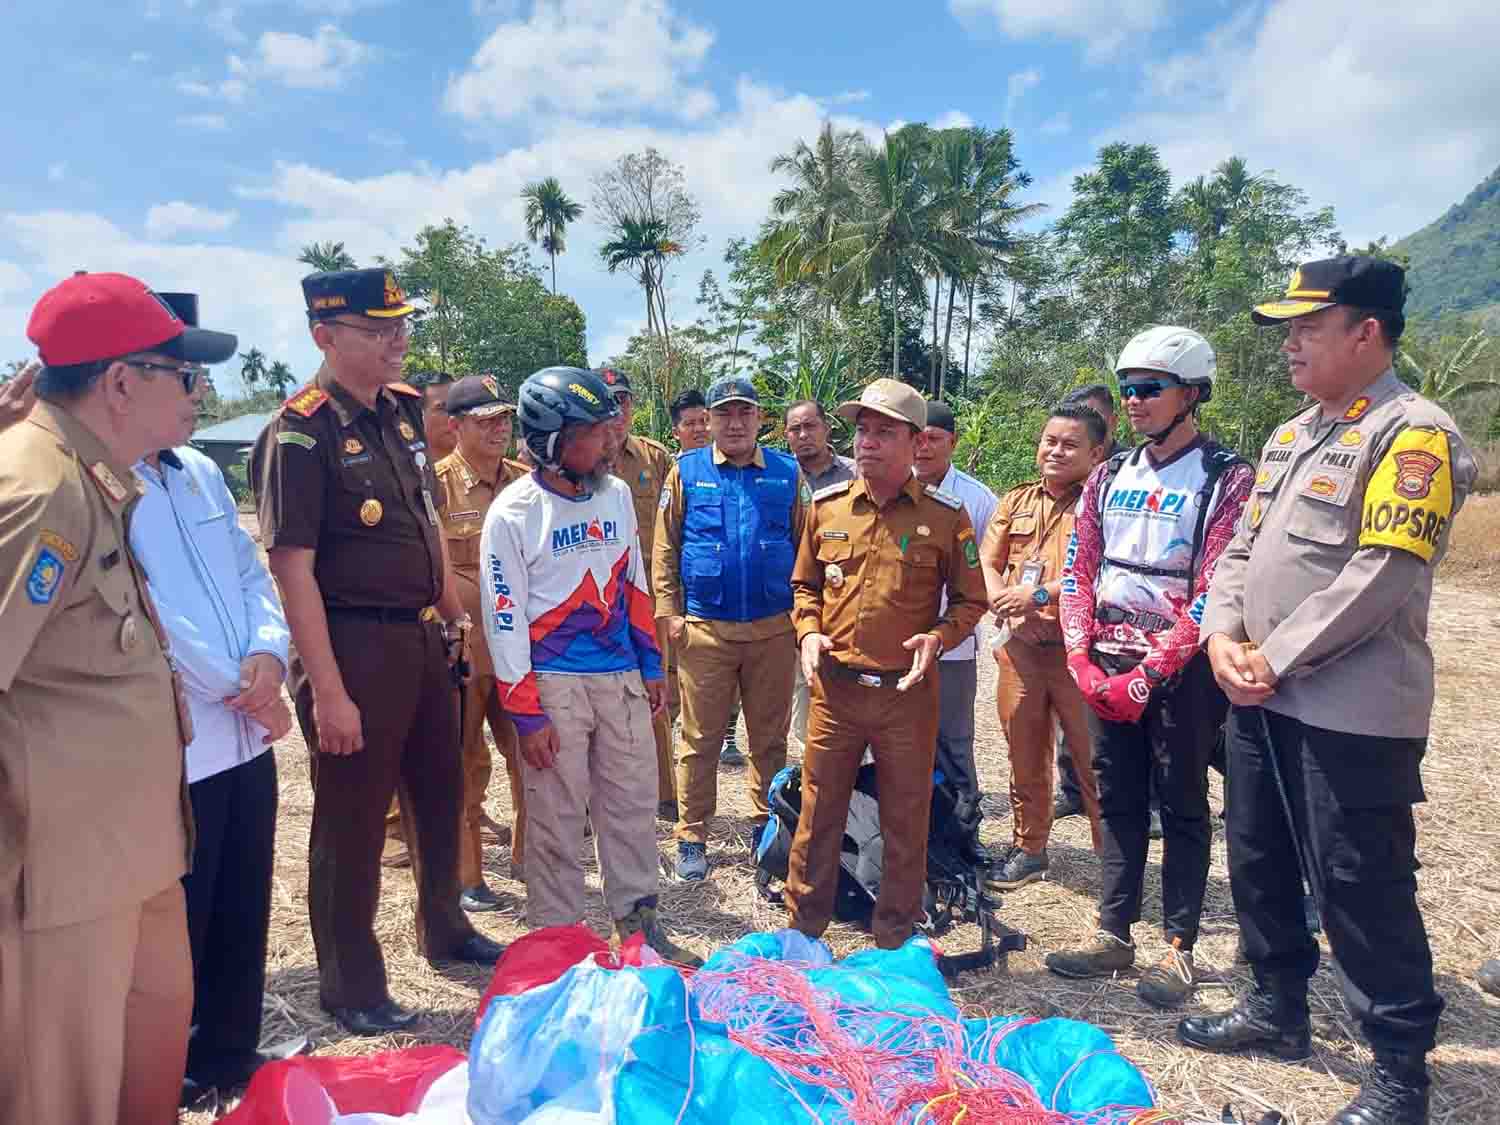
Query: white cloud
[[1056, 125], [953, 119], [221, 23], [13, 278], [1391, 120], [320, 62], [1016, 86], [229, 89], [263, 305], [339, 7], [1101, 25], [166, 220], [586, 57], [207, 122], [57, 172], [140, 56]]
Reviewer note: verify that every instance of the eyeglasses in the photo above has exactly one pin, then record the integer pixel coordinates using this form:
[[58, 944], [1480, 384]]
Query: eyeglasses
[[189, 373], [1146, 388], [396, 330]]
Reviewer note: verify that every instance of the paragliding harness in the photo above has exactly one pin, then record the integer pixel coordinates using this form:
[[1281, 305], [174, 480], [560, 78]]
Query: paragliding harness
[[1216, 462], [955, 870]]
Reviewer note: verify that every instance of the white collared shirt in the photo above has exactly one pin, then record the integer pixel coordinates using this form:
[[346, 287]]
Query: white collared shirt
[[215, 598], [979, 503]]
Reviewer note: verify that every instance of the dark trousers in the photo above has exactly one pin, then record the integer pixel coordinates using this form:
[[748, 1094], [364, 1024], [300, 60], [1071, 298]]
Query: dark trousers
[[957, 686], [1172, 744], [228, 896], [398, 677], [900, 728], [1067, 775], [1351, 798]]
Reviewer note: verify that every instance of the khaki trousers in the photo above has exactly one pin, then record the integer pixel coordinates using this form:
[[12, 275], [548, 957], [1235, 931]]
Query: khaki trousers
[[604, 769], [661, 725], [713, 672], [900, 728], [481, 703], [96, 1017], [1033, 692]]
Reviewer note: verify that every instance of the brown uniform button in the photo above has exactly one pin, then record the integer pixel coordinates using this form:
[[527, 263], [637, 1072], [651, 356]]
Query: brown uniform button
[[405, 430], [129, 633], [370, 512]]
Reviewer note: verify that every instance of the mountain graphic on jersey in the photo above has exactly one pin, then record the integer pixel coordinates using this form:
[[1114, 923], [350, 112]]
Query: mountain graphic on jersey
[[590, 628]]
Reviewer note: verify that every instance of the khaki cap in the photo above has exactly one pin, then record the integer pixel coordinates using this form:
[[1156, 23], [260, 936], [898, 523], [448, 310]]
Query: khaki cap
[[890, 397]]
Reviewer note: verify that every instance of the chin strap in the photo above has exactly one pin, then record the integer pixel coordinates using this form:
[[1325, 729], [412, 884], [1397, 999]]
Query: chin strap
[[1162, 434]]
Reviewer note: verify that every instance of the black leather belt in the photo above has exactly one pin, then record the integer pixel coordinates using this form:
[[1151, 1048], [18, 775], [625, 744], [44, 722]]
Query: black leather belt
[[865, 677], [386, 615]]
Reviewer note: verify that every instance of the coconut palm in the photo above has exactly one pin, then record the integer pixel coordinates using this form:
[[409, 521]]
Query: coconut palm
[[548, 213], [1445, 378], [807, 213], [643, 246], [252, 368], [326, 256], [899, 234], [280, 377]]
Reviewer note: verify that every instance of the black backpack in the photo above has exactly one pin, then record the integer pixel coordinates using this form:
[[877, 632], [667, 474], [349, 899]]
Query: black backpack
[[955, 880]]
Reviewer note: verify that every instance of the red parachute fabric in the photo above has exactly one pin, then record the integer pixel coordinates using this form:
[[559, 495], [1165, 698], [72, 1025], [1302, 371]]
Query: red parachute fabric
[[546, 954], [291, 1091]]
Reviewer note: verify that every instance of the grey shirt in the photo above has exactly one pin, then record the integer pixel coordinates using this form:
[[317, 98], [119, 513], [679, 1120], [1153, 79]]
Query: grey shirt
[[1330, 572], [838, 472]]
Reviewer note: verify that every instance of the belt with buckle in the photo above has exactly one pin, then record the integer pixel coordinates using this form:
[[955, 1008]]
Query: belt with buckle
[[386, 615], [865, 677]]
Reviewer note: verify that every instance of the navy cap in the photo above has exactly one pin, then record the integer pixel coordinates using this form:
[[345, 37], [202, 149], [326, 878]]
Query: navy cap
[[731, 388], [372, 292], [940, 414], [478, 396], [1356, 280]]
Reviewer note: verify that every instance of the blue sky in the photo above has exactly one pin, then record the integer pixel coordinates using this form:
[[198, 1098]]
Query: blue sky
[[199, 143]]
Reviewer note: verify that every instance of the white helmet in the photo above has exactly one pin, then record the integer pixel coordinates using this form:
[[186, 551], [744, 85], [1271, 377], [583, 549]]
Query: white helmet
[[1178, 352]]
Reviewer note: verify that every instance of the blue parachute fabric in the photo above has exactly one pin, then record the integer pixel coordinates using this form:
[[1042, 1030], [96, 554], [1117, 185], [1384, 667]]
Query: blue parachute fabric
[[1073, 1066], [555, 1049]]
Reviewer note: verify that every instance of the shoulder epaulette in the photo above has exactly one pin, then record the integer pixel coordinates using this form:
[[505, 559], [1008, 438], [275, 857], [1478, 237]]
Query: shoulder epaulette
[[946, 499], [831, 490], [652, 443], [516, 466], [405, 389], [307, 401]]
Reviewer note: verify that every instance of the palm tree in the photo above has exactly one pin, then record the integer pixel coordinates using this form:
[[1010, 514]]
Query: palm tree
[[280, 377], [326, 256], [807, 213], [548, 213], [252, 368], [644, 246], [898, 235]]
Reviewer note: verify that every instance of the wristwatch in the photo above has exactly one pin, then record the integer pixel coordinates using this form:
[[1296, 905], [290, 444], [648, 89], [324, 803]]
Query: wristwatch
[[1040, 597], [455, 629]]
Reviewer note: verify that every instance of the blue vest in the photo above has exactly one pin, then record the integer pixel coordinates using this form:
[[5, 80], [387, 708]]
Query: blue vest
[[737, 549]]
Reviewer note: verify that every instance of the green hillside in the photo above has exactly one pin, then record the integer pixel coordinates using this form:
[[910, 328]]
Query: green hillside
[[1455, 262]]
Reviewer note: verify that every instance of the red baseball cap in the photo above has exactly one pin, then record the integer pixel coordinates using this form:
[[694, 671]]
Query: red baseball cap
[[93, 316]]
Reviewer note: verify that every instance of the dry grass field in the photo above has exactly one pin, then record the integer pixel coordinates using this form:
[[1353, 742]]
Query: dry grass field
[[1459, 846]]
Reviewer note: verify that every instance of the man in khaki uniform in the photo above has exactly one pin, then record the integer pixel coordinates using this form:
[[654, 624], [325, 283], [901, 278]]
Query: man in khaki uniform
[[1316, 629], [643, 465], [470, 478], [731, 516], [876, 556], [96, 986], [1023, 555]]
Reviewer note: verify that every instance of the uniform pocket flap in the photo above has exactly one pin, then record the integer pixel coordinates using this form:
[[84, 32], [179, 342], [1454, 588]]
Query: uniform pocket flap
[[116, 589], [1319, 522], [834, 550], [1023, 525]]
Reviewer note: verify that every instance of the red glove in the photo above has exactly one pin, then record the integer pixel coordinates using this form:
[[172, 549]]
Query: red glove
[[1086, 674], [1122, 698]]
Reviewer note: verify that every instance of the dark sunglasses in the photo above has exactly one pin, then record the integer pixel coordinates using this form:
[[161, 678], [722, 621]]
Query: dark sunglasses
[[189, 373], [1146, 388]]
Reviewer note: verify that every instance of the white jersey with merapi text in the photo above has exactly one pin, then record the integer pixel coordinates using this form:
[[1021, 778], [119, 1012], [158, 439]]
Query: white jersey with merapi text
[[563, 590], [1147, 515]]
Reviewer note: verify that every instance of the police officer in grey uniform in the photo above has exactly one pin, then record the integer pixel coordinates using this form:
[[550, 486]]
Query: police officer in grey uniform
[[1316, 627]]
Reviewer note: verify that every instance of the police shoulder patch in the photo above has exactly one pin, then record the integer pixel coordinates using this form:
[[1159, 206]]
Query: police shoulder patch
[[307, 401], [829, 490], [405, 389], [946, 499], [1409, 499]]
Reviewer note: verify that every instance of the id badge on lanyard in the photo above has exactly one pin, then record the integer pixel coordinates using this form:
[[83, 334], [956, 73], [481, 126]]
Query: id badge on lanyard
[[1031, 572]]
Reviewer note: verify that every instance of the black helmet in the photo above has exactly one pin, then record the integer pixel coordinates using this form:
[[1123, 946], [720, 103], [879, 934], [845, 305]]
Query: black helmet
[[555, 396]]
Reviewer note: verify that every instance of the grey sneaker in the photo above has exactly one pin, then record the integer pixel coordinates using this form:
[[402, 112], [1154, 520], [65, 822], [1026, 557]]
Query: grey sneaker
[[1015, 869], [1105, 956], [1169, 982], [692, 862]]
